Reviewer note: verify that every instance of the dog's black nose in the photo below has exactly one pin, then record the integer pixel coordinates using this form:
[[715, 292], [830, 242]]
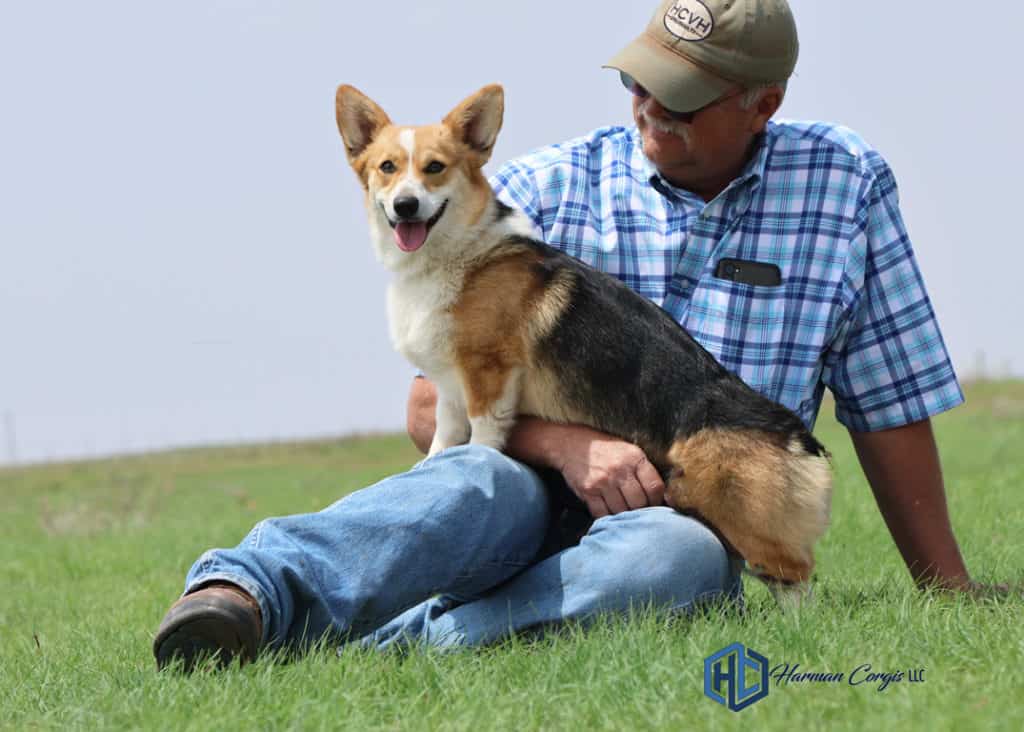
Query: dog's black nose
[[406, 206]]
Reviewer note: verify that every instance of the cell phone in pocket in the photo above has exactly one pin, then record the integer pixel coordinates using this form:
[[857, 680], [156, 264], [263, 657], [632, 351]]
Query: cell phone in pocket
[[748, 272]]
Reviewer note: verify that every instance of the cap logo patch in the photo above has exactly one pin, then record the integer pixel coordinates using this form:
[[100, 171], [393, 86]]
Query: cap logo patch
[[690, 20]]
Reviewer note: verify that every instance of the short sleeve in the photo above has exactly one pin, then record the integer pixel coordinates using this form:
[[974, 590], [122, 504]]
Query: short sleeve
[[514, 185], [890, 368]]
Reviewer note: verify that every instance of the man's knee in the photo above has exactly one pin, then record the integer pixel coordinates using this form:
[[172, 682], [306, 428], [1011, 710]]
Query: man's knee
[[466, 480], [483, 468], [666, 556]]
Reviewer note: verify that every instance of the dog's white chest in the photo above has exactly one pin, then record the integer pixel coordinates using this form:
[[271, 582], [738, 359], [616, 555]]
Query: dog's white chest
[[421, 324]]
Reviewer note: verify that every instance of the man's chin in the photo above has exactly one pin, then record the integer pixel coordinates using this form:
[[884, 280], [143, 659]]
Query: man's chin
[[664, 151]]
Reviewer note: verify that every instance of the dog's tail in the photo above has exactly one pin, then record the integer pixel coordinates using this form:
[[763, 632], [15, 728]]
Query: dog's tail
[[767, 494]]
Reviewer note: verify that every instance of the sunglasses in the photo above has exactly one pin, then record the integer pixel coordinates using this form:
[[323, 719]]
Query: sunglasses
[[687, 117]]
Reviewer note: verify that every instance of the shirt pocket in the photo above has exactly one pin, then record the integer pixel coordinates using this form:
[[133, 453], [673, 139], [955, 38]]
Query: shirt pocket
[[744, 327]]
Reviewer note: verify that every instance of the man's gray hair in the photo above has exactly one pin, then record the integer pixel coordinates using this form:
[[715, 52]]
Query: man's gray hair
[[753, 95]]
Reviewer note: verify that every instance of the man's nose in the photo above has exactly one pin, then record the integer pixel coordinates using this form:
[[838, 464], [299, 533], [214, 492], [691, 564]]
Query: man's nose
[[655, 108]]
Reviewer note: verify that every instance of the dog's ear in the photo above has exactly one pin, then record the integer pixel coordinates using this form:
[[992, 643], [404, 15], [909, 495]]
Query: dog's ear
[[359, 119], [477, 120]]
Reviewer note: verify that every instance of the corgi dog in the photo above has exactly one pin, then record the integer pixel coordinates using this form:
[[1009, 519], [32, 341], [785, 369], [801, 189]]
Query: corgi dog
[[505, 325]]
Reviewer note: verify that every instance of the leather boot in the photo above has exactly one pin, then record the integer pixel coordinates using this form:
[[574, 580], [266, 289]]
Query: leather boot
[[220, 620]]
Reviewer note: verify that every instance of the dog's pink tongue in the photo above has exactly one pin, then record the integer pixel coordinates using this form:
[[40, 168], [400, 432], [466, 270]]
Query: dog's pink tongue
[[410, 236]]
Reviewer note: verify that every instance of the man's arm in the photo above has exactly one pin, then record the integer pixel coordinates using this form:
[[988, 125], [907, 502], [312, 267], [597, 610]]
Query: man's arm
[[902, 466], [606, 473]]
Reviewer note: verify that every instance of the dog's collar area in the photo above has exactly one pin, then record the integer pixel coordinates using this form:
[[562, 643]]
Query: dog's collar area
[[430, 222]]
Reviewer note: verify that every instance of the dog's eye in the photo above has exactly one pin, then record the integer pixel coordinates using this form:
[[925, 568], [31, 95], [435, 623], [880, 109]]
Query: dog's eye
[[387, 167], [434, 167]]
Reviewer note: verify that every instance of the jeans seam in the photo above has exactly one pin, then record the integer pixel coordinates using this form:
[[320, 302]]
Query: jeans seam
[[257, 532], [307, 570]]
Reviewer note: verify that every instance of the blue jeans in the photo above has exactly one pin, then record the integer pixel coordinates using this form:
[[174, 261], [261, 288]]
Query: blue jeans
[[461, 550]]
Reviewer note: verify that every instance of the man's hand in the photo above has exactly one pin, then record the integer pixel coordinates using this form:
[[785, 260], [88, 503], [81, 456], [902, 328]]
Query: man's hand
[[608, 474], [902, 466], [979, 590]]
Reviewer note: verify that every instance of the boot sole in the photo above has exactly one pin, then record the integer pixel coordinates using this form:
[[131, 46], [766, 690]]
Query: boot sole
[[206, 627]]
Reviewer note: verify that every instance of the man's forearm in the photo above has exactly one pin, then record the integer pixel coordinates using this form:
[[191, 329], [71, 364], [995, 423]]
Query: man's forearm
[[537, 442], [902, 466]]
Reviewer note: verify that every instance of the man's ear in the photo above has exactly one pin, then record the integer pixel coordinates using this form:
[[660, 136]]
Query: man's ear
[[767, 105], [477, 120], [359, 119]]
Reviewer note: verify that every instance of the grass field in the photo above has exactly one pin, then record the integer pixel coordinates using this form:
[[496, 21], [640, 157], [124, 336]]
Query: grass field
[[92, 553]]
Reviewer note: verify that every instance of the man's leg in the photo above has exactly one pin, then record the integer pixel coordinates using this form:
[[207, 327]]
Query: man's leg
[[461, 522], [649, 556]]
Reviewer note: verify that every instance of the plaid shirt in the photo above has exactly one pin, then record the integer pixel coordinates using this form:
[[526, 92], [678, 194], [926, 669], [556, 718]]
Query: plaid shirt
[[851, 313]]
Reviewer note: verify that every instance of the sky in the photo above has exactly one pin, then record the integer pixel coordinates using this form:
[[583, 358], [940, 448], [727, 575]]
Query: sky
[[184, 254]]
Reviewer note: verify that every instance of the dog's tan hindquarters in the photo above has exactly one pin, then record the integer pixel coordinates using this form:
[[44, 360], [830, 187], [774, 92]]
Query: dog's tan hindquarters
[[770, 504]]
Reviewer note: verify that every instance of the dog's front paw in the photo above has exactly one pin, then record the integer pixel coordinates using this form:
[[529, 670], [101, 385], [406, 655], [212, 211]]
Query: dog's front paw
[[490, 431], [440, 444], [436, 447], [496, 442]]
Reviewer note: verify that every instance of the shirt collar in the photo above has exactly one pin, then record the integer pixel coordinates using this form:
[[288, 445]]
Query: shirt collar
[[752, 174]]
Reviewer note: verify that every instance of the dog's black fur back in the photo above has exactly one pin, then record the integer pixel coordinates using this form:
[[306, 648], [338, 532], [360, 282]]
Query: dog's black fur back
[[640, 373]]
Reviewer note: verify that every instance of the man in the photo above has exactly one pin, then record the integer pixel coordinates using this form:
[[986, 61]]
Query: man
[[780, 247]]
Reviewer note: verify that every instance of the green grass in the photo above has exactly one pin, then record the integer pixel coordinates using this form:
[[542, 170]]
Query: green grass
[[92, 553]]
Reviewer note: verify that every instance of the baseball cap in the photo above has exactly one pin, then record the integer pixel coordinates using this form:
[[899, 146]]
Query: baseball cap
[[693, 51]]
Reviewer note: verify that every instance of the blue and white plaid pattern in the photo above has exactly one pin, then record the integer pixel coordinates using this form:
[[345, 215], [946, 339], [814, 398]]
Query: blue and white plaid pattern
[[851, 314]]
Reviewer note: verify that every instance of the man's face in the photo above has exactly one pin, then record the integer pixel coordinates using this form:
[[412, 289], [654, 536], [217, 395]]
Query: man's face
[[693, 154]]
